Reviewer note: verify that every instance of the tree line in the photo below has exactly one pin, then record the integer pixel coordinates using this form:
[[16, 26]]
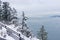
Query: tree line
[[7, 14]]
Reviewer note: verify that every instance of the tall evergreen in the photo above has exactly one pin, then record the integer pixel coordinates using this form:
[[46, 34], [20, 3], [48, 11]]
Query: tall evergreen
[[24, 29], [6, 11], [0, 10], [24, 18], [7, 14], [13, 14], [42, 34]]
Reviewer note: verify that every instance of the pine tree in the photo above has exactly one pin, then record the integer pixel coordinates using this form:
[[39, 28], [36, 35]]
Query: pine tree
[[24, 18], [7, 14], [14, 14], [6, 11], [24, 29], [42, 34], [0, 10]]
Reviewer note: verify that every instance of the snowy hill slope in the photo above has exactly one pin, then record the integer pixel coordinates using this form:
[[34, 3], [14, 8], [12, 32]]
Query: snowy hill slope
[[11, 33]]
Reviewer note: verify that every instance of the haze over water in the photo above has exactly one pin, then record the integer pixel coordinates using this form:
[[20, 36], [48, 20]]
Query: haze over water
[[52, 26]]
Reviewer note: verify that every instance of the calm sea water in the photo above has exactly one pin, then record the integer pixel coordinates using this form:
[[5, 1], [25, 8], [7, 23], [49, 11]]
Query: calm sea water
[[52, 26]]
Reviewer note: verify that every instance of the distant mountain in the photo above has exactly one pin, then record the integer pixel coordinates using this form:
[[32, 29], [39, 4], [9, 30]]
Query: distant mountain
[[55, 16]]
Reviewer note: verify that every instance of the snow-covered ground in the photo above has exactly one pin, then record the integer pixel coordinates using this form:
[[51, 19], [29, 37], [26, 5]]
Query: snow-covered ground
[[12, 33]]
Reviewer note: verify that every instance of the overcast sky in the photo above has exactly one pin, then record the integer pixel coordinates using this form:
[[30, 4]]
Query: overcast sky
[[36, 8]]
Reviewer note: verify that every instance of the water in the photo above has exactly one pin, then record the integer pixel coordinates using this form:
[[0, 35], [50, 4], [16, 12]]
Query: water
[[52, 26]]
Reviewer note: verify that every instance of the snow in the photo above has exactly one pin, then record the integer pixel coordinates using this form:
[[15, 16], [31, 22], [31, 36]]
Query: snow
[[9, 38], [12, 29], [3, 32]]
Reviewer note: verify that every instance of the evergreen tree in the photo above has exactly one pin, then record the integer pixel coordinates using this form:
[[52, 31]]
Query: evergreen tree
[[14, 14], [6, 11], [0, 10], [24, 18], [42, 34], [7, 14], [24, 29]]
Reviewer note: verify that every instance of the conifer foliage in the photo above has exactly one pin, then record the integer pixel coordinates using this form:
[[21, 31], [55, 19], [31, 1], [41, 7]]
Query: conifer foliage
[[6, 12], [42, 34]]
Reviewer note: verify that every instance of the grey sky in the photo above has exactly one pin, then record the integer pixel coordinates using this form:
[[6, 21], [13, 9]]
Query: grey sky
[[36, 8]]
